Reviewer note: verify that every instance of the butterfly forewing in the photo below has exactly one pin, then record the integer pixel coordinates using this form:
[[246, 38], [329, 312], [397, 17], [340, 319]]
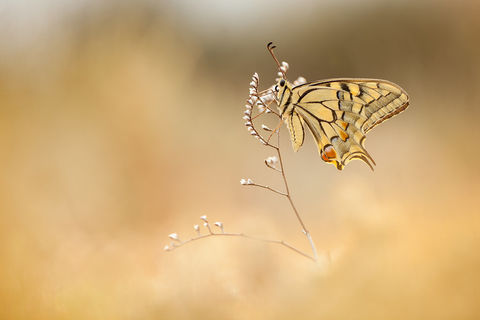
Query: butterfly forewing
[[339, 112]]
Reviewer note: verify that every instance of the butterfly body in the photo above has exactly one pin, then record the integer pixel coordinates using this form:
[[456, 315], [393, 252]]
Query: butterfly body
[[338, 114]]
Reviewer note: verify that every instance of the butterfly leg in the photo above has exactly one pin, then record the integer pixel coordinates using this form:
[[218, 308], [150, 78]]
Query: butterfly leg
[[265, 92]]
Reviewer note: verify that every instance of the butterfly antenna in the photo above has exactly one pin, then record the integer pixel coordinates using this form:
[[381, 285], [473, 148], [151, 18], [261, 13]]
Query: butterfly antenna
[[270, 48]]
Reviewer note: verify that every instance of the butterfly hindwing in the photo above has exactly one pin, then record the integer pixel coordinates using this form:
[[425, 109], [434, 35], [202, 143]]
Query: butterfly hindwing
[[338, 141]]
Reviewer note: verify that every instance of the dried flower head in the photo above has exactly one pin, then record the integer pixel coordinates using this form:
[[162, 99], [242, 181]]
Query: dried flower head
[[257, 104], [261, 101], [220, 226], [264, 127], [246, 181], [272, 160], [174, 236], [299, 81]]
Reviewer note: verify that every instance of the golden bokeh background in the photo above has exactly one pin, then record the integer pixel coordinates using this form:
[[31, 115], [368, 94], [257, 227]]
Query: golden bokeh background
[[120, 122]]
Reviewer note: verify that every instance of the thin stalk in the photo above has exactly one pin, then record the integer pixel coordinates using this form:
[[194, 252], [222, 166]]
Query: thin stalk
[[289, 197], [242, 235], [268, 188]]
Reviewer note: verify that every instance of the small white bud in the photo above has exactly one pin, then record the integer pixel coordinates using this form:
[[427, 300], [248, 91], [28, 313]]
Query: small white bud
[[280, 74], [252, 91], [166, 248], [246, 118], [299, 81], [205, 224], [255, 75], [204, 218], [248, 124], [174, 236], [196, 227], [268, 98], [249, 181], [247, 112], [253, 133], [248, 106], [253, 83], [220, 226], [268, 111], [285, 64], [264, 127], [243, 181], [283, 69], [272, 160]]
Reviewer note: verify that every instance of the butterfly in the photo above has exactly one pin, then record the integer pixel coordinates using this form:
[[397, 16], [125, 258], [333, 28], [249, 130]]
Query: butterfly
[[337, 112]]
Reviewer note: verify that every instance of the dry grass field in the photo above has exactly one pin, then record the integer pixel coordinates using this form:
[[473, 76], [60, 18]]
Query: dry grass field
[[120, 123]]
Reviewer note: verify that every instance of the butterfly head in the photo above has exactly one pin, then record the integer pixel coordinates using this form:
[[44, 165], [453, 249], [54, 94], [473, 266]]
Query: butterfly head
[[283, 90]]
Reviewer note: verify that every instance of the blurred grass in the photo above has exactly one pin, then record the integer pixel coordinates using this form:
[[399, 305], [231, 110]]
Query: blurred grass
[[121, 126]]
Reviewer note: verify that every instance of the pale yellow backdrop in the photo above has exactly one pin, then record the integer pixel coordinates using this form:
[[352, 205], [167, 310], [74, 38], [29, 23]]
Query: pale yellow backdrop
[[120, 122]]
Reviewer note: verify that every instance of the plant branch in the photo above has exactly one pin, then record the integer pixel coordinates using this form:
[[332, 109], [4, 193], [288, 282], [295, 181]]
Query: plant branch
[[268, 188], [289, 197], [254, 98], [242, 235]]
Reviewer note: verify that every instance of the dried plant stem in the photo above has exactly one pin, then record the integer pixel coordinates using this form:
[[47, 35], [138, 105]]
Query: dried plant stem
[[242, 235], [273, 163], [268, 188], [265, 111], [289, 197], [251, 126], [287, 193]]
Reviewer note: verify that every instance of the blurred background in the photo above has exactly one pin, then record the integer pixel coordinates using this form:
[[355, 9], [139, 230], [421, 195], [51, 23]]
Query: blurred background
[[121, 122]]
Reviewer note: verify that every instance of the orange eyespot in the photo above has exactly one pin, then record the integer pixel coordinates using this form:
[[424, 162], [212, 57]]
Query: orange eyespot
[[330, 152]]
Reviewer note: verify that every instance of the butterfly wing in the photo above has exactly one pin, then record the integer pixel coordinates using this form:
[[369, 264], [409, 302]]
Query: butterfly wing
[[340, 112], [295, 127]]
